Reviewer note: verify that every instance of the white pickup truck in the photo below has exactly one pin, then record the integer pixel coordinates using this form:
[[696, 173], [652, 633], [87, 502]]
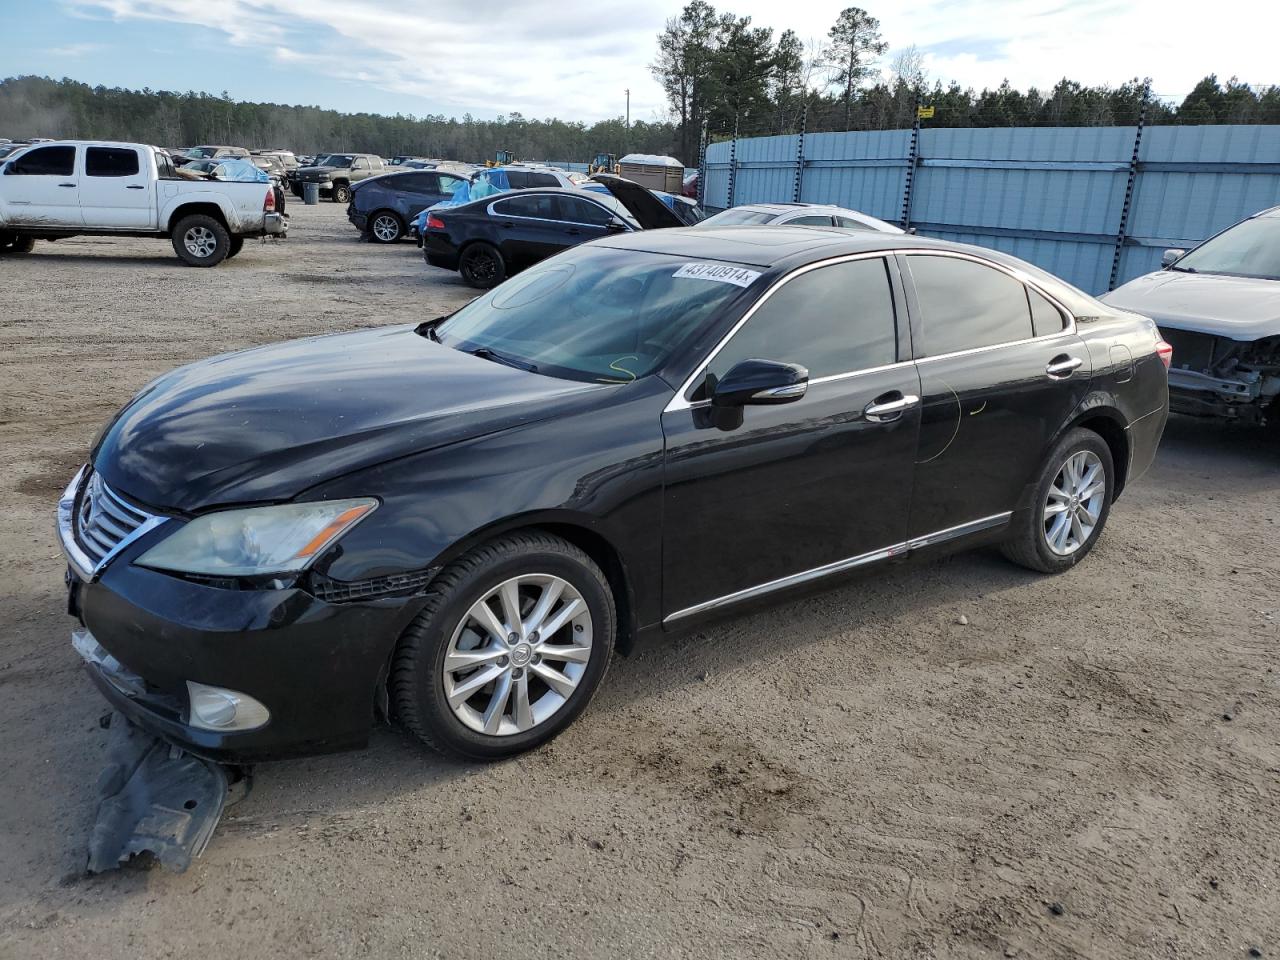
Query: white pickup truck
[[74, 187]]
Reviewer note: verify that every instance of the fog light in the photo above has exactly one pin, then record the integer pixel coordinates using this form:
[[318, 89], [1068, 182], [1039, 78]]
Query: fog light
[[222, 710]]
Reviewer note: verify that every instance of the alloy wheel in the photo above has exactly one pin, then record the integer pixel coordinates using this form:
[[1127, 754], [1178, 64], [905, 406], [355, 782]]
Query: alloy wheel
[[1074, 503], [481, 267], [385, 228], [200, 242], [518, 654]]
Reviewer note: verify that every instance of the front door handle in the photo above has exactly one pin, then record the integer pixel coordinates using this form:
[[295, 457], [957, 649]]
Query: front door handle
[[66, 184], [135, 186], [573, 232], [1062, 366], [889, 406], [507, 226]]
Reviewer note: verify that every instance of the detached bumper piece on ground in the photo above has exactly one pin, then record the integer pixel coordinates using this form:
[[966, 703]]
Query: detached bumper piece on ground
[[156, 799]]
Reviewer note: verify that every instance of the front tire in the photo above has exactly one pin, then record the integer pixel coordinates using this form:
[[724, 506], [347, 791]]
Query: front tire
[[512, 644], [482, 266], [1069, 509], [385, 227], [16, 243], [201, 241], [341, 193]]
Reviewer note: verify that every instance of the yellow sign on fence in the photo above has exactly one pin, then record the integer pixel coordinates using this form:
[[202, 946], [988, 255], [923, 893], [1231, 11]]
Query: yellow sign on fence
[[924, 113]]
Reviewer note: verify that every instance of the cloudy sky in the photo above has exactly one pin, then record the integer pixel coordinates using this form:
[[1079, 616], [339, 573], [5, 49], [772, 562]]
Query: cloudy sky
[[573, 59]]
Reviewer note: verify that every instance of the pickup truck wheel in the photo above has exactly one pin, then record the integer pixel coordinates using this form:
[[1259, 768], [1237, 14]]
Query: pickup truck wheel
[[341, 193], [237, 244], [482, 266], [385, 227], [1072, 498], [201, 241], [22, 245]]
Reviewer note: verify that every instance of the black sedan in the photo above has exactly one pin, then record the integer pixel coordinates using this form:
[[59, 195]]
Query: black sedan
[[488, 239], [458, 523], [382, 207]]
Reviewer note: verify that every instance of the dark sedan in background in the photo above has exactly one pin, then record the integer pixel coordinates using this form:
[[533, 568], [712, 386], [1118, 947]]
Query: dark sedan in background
[[382, 207], [488, 239], [459, 522]]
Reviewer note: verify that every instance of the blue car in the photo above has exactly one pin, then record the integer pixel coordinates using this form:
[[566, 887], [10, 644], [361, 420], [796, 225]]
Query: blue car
[[383, 207]]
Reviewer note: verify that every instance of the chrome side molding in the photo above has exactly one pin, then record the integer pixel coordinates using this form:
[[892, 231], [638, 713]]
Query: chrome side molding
[[840, 566]]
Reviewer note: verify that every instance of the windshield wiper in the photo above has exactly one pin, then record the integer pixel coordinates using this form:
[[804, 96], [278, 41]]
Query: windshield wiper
[[1184, 269], [484, 353]]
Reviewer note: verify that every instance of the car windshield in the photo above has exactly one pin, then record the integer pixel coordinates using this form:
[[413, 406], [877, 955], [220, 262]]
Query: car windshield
[[596, 314], [334, 160], [734, 218], [1249, 249], [202, 152]]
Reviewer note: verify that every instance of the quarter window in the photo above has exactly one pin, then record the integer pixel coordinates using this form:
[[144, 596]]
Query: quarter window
[[833, 320], [965, 305], [110, 162], [1045, 317], [45, 162], [850, 224]]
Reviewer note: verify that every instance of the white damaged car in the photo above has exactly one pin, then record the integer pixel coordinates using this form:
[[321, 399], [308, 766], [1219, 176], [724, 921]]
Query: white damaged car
[[1219, 306]]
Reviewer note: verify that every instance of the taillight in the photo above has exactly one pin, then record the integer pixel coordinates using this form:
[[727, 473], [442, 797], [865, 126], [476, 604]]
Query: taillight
[[269, 204], [1165, 351], [434, 223]]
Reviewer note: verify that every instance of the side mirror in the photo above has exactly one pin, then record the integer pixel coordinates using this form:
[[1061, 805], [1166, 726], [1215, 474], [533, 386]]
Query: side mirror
[[616, 226], [758, 382], [1170, 255]]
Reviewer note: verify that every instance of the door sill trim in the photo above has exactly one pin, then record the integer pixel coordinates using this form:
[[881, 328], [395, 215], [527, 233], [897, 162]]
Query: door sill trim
[[840, 566]]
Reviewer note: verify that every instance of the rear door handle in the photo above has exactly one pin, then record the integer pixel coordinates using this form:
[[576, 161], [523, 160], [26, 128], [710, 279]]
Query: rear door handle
[[1063, 366], [573, 232], [883, 409], [135, 186], [66, 184]]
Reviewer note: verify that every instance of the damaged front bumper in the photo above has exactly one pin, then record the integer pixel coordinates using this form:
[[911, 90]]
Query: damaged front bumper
[[1244, 398]]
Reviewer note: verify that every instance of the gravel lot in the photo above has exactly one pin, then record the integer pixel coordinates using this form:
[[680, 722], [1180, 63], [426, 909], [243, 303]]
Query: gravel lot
[[1088, 767]]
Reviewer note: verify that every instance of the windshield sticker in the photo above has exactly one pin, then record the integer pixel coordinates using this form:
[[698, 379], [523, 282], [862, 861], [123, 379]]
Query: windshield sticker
[[719, 272]]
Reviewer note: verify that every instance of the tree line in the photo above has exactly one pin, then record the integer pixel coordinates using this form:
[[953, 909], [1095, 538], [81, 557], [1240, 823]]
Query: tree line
[[721, 74], [42, 107]]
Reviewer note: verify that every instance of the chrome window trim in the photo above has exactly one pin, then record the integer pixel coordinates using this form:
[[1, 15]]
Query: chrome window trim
[[680, 402], [840, 566], [577, 223]]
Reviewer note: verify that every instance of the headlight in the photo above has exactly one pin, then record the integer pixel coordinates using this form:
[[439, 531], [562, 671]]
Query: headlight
[[259, 540]]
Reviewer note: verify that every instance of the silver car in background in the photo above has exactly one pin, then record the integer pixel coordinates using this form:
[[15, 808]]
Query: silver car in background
[[798, 215], [1219, 306]]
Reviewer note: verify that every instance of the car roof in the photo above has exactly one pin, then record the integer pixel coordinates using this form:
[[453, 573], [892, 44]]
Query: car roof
[[767, 246]]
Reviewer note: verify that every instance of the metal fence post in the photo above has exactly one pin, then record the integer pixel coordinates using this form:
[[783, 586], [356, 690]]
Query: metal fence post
[[702, 166], [733, 161], [1122, 232], [804, 122], [913, 158]]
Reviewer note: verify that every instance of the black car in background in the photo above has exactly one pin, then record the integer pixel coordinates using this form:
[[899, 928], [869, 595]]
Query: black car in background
[[459, 522], [382, 207], [488, 239]]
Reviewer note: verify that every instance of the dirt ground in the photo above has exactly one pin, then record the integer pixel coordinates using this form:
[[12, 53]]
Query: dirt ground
[[1088, 767]]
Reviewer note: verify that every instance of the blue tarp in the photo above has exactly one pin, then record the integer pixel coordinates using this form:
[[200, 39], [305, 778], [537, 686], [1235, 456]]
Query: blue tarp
[[240, 171]]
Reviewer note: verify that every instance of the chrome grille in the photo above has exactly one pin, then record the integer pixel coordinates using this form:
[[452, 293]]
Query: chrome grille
[[104, 520]]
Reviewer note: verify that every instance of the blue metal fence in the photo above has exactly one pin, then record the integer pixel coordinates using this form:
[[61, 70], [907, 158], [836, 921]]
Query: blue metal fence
[[1054, 196]]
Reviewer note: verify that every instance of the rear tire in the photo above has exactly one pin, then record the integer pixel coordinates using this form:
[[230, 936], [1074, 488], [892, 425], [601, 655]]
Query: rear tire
[[1069, 508], [482, 266], [385, 226], [201, 241], [431, 659]]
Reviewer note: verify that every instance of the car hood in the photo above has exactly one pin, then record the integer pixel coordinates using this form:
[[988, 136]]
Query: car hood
[[267, 424], [650, 212], [1239, 308]]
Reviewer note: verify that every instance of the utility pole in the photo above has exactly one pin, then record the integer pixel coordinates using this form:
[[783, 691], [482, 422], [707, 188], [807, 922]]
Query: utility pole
[[628, 92]]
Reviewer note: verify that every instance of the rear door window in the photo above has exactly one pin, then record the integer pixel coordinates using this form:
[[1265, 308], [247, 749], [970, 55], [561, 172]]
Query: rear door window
[[539, 206], [45, 162], [110, 162], [416, 183], [810, 222], [578, 210], [543, 180], [965, 305]]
